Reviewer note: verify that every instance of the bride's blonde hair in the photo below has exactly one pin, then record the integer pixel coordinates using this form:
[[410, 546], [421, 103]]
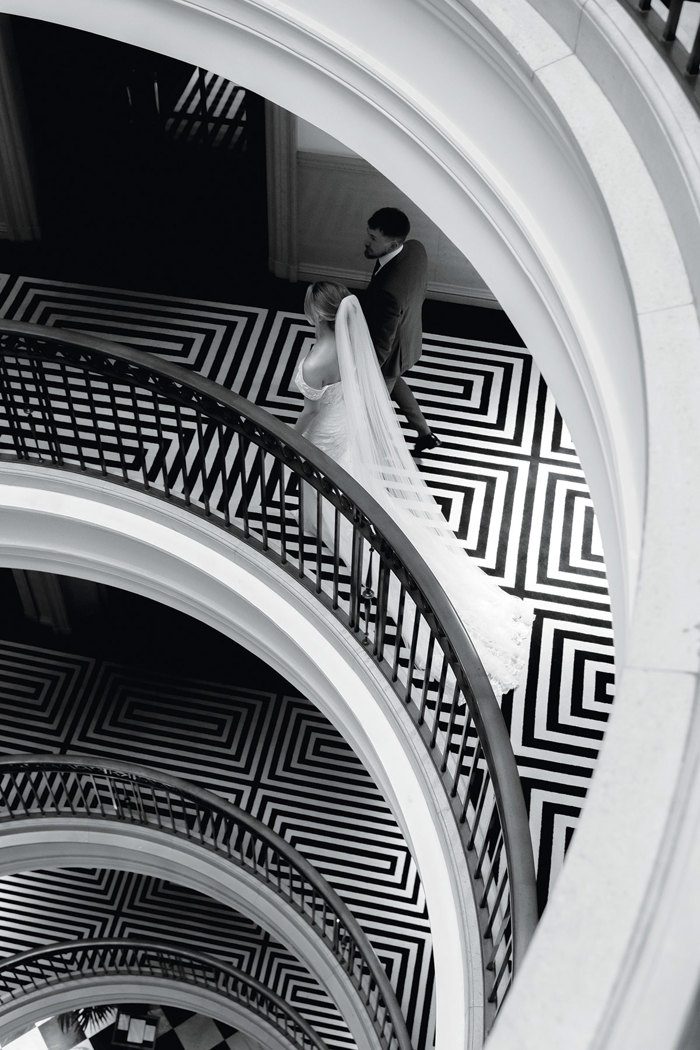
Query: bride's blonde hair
[[322, 300]]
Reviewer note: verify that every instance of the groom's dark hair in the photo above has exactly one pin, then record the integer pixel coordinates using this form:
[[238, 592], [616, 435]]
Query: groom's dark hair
[[391, 222]]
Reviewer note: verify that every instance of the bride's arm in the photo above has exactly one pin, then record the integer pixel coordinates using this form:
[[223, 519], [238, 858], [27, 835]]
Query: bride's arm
[[306, 415]]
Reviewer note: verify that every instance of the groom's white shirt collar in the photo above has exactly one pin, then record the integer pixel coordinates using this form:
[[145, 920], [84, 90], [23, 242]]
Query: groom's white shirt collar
[[384, 259]]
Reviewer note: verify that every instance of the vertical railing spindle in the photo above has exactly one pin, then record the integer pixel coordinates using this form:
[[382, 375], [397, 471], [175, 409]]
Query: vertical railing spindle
[[70, 402], [141, 443], [201, 460], [161, 452], [182, 455]]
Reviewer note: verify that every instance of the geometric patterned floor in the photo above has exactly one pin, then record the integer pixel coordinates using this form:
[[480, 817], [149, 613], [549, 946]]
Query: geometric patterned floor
[[176, 1029], [507, 477], [179, 1029], [264, 751]]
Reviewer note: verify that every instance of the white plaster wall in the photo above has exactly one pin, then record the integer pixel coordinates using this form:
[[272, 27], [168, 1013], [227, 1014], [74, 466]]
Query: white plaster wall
[[649, 101], [311, 139]]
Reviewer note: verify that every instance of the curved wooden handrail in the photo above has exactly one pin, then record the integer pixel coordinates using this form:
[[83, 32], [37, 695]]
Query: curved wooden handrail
[[39, 968], [73, 402], [80, 787]]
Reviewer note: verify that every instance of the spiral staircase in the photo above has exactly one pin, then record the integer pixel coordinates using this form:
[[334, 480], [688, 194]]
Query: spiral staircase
[[180, 454], [60, 392]]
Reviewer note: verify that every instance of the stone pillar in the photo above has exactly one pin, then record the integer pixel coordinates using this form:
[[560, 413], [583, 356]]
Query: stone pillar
[[281, 159], [18, 216]]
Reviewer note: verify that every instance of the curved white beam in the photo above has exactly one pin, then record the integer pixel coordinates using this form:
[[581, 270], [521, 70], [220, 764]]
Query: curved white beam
[[482, 151], [62, 842], [87, 528], [498, 129]]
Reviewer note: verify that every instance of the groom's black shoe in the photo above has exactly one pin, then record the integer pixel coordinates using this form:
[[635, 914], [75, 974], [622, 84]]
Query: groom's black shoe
[[426, 443]]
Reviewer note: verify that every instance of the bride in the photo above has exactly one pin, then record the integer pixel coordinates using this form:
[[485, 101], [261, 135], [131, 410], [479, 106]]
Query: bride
[[348, 414]]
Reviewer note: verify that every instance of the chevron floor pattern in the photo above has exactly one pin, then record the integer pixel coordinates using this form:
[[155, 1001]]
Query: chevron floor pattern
[[76, 904], [508, 479], [266, 752]]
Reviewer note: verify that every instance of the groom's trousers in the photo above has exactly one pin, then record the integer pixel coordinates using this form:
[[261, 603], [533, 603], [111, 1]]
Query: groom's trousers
[[404, 397]]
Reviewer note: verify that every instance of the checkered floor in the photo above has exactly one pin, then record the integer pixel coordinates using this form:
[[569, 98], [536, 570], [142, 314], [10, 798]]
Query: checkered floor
[[177, 1030]]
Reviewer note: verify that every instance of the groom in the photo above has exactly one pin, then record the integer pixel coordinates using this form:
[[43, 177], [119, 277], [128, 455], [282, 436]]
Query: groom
[[392, 305]]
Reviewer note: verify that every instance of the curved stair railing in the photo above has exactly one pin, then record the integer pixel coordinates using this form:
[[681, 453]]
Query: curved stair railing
[[80, 787], [41, 968], [70, 402], [662, 28]]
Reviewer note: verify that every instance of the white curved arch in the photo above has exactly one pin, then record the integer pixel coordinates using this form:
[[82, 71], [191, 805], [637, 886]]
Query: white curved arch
[[496, 126], [88, 528], [40, 844], [544, 245]]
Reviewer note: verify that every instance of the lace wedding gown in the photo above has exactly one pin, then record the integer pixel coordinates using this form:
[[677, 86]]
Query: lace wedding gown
[[357, 427]]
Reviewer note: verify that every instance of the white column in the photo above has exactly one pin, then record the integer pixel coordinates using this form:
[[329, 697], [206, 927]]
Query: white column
[[18, 215], [281, 161]]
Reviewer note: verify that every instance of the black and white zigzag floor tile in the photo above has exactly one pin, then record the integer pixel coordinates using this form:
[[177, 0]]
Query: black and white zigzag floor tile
[[218, 340], [266, 752], [507, 476], [176, 1029], [38, 693], [44, 907], [565, 556]]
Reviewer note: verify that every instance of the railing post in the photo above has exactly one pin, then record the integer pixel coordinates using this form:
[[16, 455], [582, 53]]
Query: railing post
[[674, 14]]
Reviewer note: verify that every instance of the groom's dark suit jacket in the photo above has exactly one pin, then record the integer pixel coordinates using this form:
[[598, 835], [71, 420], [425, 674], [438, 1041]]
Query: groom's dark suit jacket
[[392, 305]]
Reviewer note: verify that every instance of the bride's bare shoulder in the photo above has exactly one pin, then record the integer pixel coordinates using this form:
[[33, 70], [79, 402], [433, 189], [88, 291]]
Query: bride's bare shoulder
[[321, 364]]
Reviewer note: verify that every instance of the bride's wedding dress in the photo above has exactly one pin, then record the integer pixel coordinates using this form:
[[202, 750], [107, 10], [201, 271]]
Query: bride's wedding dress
[[357, 427], [328, 429]]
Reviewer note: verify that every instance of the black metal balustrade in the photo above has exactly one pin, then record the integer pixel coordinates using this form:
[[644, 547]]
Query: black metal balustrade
[[81, 787], [662, 27], [62, 964], [69, 402]]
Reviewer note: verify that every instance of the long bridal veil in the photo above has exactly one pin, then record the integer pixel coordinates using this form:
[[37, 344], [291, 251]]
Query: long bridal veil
[[498, 624]]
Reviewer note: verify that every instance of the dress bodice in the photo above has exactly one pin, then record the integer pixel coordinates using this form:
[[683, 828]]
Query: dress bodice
[[328, 428]]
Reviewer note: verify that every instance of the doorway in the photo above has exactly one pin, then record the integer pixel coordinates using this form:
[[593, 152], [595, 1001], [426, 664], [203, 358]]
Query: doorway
[[150, 173]]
